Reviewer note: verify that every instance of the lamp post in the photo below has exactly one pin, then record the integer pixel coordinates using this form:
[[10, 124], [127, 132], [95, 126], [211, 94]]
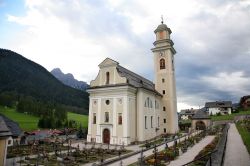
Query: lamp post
[[141, 162], [155, 155], [156, 129]]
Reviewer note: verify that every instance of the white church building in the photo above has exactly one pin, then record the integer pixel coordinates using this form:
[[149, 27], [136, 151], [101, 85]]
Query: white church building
[[125, 107]]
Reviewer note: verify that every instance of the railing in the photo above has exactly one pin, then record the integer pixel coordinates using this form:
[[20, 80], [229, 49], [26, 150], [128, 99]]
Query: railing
[[107, 162], [202, 157], [216, 157]]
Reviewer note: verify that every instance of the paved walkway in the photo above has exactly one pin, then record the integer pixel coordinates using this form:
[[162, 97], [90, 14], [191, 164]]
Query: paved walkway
[[134, 158], [191, 153], [236, 152]]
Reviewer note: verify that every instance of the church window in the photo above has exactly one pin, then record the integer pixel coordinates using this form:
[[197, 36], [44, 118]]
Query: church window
[[107, 77], [158, 122], [164, 120], [163, 92], [107, 102], [145, 122], [163, 80], [94, 118], [106, 117], [164, 108], [165, 130], [120, 118], [162, 64], [148, 103], [156, 105], [151, 121], [173, 62], [161, 34]]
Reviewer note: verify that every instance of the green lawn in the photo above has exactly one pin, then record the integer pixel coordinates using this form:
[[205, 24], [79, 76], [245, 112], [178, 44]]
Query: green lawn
[[245, 135], [26, 122], [80, 119], [29, 122], [229, 117]]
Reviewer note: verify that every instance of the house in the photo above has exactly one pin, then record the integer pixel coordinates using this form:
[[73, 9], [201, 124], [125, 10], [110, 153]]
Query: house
[[14, 129], [245, 102], [201, 120], [187, 113], [5, 135], [219, 107], [125, 107]]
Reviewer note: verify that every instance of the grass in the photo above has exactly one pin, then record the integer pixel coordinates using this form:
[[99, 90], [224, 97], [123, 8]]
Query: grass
[[245, 135], [229, 117], [25, 121], [80, 119], [29, 122]]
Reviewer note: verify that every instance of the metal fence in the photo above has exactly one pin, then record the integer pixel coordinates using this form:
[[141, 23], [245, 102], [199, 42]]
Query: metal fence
[[216, 157]]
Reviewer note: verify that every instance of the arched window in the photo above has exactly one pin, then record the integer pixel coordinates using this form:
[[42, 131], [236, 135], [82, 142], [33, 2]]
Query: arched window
[[107, 77], [120, 118], [161, 35], [164, 108], [162, 64], [106, 117], [94, 118], [151, 121]]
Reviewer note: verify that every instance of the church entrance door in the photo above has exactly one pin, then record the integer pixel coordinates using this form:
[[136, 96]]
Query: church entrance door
[[106, 136]]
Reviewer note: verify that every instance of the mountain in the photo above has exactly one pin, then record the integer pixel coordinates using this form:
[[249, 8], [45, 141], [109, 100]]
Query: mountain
[[23, 77], [68, 79]]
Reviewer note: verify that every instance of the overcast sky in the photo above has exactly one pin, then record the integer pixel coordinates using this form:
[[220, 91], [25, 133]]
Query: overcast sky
[[212, 40]]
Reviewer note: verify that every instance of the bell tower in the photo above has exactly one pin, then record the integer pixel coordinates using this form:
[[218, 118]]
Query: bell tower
[[164, 70]]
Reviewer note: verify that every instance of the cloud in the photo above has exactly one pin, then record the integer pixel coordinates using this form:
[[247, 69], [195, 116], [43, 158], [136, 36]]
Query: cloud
[[236, 83], [212, 40]]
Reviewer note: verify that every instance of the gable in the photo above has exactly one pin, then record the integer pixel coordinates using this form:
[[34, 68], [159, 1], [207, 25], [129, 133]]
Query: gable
[[108, 63]]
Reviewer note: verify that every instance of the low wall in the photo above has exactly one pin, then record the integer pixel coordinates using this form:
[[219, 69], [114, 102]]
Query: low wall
[[218, 157], [222, 122]]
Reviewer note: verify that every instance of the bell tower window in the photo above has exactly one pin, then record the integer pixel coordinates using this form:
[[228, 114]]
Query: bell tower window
[[107, 77], [161, 35], [162, 64]]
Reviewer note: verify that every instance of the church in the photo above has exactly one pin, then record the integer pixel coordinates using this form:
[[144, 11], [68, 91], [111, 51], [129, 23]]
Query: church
[[125, 107]]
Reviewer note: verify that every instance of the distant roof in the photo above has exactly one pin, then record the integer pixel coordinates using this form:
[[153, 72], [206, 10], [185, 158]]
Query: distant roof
[[219, 104], [200, 115], [188, 111], [12, 126], [4, 130]]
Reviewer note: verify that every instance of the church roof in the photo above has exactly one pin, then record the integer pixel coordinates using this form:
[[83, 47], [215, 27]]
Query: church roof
[[200, 115], [135, 79]]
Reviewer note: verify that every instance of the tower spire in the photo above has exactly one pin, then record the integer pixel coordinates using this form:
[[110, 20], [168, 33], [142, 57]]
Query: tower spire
[[162, 19]]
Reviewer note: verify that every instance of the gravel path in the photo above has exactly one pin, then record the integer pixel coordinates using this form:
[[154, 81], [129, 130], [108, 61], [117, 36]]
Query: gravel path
[[236, 152]]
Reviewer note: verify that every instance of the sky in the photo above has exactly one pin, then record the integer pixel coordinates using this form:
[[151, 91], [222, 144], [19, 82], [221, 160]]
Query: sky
[[211, 37]]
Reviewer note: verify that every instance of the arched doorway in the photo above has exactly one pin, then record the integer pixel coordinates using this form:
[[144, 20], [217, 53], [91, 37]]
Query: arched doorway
[[200, 125], [106, 136]]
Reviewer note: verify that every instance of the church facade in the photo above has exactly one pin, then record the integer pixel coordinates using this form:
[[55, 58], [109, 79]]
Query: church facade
[[125, 107]]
